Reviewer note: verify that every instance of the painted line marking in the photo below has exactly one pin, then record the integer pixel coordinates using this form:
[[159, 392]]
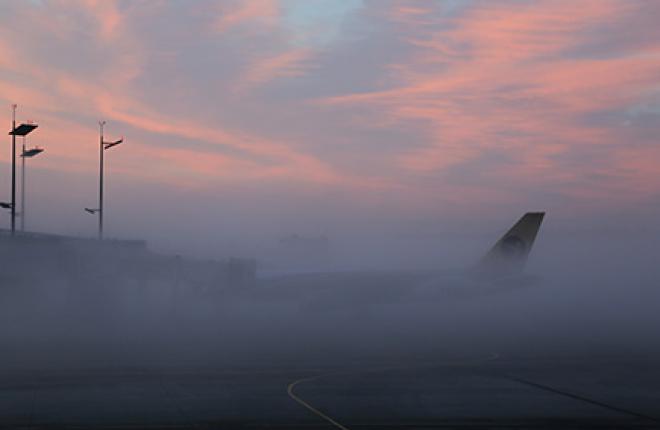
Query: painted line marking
[[292, 386], [583, 399], [291, 394]]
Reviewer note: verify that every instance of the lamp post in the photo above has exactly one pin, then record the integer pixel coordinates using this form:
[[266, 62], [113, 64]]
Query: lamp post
[[103, 146], [21, 130], [26, 153], [101, 125]]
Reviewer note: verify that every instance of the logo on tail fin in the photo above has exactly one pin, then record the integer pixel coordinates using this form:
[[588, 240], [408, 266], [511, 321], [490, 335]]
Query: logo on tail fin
[[513, 246]]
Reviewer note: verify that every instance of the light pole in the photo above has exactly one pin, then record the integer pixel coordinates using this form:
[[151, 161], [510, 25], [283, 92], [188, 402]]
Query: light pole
[[26, 153], [21, 130], [101, 124], [103, 146]]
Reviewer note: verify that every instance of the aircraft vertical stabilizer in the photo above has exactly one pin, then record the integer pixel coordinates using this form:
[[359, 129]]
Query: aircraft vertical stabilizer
[[509, 254]]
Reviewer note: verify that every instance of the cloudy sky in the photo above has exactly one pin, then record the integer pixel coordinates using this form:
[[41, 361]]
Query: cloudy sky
[[312, 114]]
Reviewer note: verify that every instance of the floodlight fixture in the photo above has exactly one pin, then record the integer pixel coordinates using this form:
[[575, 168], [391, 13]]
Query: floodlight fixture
[[29, 153], [23, 129], [108, 145]]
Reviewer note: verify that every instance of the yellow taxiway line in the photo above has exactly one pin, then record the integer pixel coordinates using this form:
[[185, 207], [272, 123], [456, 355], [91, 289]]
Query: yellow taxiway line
[[292, 386], [291, 394]]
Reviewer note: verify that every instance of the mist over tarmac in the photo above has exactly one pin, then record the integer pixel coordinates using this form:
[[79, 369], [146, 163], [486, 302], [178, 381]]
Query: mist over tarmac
[[593, 295]]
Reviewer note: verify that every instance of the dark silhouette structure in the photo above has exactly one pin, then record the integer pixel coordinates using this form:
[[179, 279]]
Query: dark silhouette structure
[[22, 130]]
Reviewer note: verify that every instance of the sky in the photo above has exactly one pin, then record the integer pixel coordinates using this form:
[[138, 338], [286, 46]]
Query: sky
[[317, 116]]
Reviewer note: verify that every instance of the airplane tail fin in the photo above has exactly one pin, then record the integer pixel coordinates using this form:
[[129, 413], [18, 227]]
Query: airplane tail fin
[[509, 254]]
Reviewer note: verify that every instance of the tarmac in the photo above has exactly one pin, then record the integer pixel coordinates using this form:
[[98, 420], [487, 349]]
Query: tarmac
[[553, 357], [459, 392]]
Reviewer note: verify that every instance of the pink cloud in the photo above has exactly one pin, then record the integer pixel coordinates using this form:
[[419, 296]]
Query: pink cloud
[[248, 11], [501, 79], [107, 15], [111, 95], [510, 82], [287, 64], [284, 161]]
